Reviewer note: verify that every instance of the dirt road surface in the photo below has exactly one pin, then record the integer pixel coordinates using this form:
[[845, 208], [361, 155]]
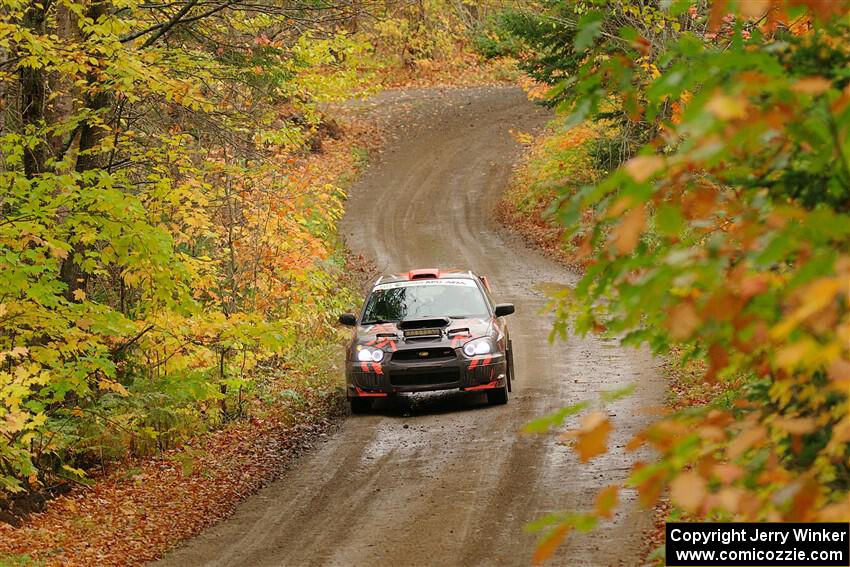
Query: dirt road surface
[[445, 479]]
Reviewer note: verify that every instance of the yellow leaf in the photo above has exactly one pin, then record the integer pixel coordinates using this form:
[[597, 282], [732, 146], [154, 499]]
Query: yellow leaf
[[641, 168], [19, 351], [818, 295], [797, 354], [550, 543], [112, 386], [79, 294], [606, 501], [688, 491], [726, 107]]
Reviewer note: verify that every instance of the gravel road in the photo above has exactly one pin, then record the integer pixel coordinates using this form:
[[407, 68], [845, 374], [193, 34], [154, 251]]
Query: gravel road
[[444, 479]]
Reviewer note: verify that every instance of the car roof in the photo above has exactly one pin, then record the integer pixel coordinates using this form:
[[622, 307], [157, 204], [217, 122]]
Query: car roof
[[427, 274]]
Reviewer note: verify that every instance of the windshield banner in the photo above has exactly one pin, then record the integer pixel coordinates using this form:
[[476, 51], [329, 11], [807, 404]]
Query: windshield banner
[[394, 285]]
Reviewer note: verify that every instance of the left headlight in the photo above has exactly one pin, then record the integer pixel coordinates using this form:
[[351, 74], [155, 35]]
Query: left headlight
[[478, 346], [367, 354]]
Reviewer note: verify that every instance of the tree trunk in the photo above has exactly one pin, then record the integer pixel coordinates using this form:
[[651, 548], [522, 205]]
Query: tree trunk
[[91, 136], [32, 97]]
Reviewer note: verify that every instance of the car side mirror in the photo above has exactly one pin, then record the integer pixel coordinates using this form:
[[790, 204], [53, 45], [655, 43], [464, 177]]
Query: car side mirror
[[348, 319], [503, 309]]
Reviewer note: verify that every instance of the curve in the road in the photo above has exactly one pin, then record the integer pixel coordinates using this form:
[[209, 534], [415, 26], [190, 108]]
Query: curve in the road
[[445, 479]]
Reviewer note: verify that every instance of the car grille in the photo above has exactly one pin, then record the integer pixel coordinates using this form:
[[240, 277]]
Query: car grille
[[365, 379], [447, 376], [424, 354]]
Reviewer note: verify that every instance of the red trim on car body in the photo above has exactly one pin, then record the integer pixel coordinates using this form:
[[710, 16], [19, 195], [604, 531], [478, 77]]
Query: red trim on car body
[[365, 394], [487, 386]]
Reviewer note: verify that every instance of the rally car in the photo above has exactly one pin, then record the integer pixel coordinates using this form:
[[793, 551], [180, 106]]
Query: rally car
[[427, 330]]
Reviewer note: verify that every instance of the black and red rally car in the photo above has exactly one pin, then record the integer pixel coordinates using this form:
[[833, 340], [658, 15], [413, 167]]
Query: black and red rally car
[[428, 330]]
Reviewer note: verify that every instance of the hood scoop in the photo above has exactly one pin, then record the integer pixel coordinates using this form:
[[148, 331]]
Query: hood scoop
[[434, 323], [424, 328]]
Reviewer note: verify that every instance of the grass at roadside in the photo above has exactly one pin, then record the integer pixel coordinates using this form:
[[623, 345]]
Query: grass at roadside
[[558, 160]]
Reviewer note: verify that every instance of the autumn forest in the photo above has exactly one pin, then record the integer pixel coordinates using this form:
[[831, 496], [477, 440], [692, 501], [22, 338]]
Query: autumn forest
[[172, 179]]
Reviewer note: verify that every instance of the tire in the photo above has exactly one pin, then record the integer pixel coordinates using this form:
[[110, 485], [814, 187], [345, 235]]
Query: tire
[[360, 405], [498, 397]]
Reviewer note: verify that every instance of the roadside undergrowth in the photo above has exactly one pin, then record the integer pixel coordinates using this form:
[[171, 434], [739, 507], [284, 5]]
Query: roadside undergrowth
[[131, 509], [559, 158]]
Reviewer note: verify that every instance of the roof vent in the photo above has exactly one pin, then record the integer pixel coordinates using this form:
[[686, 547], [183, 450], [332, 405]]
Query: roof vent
[[425, 274]]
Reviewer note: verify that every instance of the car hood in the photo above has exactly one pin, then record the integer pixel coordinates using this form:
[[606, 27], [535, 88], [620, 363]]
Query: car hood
[[390, 335]]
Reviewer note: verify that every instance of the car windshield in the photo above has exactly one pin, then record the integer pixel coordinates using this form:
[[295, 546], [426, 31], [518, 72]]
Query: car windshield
[[424, 299]]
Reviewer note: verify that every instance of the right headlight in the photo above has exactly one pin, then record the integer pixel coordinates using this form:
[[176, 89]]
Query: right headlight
[[478, 346]]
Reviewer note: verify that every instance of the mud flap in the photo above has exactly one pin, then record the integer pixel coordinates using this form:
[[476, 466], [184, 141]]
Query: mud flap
[[510, 363]]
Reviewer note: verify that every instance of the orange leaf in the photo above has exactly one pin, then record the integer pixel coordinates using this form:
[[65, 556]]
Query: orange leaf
[[550, 543], [641, 168], [606, 501], [718, 10], [754, 8], [727, 473], [592, 436], [636, 442], [718, 359], [812, 85], [626, 235], [682, 320], [796, 425], [688, 491], [746, 439]]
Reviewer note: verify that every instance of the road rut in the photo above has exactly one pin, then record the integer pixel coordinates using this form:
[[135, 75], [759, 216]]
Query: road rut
[[445, 479]]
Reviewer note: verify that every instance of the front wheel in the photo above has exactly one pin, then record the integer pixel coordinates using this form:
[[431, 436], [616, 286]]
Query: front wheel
[[498, 397], [360, 405]]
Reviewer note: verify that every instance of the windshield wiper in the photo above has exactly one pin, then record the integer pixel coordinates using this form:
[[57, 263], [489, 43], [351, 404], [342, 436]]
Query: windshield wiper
[[378, 322]]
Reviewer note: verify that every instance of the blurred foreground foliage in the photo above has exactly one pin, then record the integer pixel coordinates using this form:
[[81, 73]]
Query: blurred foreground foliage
[[718, 229]]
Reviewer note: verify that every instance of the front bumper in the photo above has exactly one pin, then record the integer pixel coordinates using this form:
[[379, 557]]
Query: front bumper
[[371, 379]]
